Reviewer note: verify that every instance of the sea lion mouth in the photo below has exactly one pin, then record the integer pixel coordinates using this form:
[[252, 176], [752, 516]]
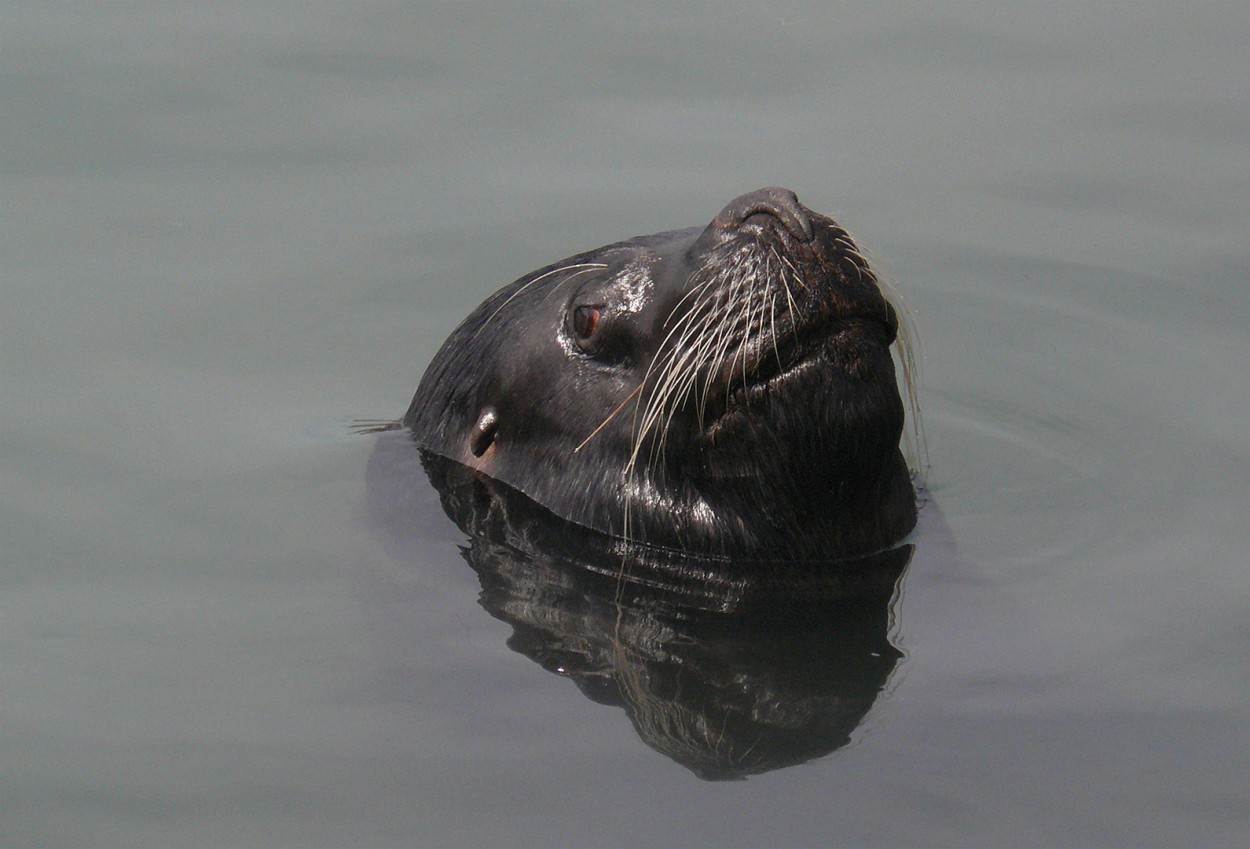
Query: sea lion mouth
[[833, 346]]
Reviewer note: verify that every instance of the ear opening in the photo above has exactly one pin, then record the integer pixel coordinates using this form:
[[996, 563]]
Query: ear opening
[[483, 436]]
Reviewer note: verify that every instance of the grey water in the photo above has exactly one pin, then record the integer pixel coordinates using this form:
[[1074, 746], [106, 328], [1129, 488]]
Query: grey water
[[230, 230]]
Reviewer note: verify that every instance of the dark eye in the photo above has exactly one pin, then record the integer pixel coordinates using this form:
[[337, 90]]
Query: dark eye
[[585, 320]]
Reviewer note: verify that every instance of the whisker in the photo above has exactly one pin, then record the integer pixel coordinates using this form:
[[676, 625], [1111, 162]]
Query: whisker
[[611, 416], [584, 266], [365, 426]]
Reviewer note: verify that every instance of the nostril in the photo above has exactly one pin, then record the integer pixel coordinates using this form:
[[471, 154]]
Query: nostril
[[781, 204]]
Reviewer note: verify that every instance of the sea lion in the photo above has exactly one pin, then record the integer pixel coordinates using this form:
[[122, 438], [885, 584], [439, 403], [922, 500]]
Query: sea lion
[[724, 391]]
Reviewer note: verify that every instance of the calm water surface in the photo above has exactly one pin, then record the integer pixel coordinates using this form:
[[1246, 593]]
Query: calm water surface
[[230, 230]]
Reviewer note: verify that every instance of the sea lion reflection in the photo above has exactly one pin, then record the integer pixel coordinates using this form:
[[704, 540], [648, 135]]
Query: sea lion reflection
[[730, 669]]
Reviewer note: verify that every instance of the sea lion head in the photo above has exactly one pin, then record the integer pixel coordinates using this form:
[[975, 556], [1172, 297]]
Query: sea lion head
[[725, 390]]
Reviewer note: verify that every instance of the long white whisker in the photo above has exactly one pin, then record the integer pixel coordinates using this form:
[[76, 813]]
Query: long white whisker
[[584, 266]]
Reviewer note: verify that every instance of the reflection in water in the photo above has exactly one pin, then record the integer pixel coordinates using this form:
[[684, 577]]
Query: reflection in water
[[728, 668]]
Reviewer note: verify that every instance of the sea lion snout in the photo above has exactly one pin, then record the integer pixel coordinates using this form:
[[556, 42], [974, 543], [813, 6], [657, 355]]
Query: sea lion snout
[[781, 204]]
